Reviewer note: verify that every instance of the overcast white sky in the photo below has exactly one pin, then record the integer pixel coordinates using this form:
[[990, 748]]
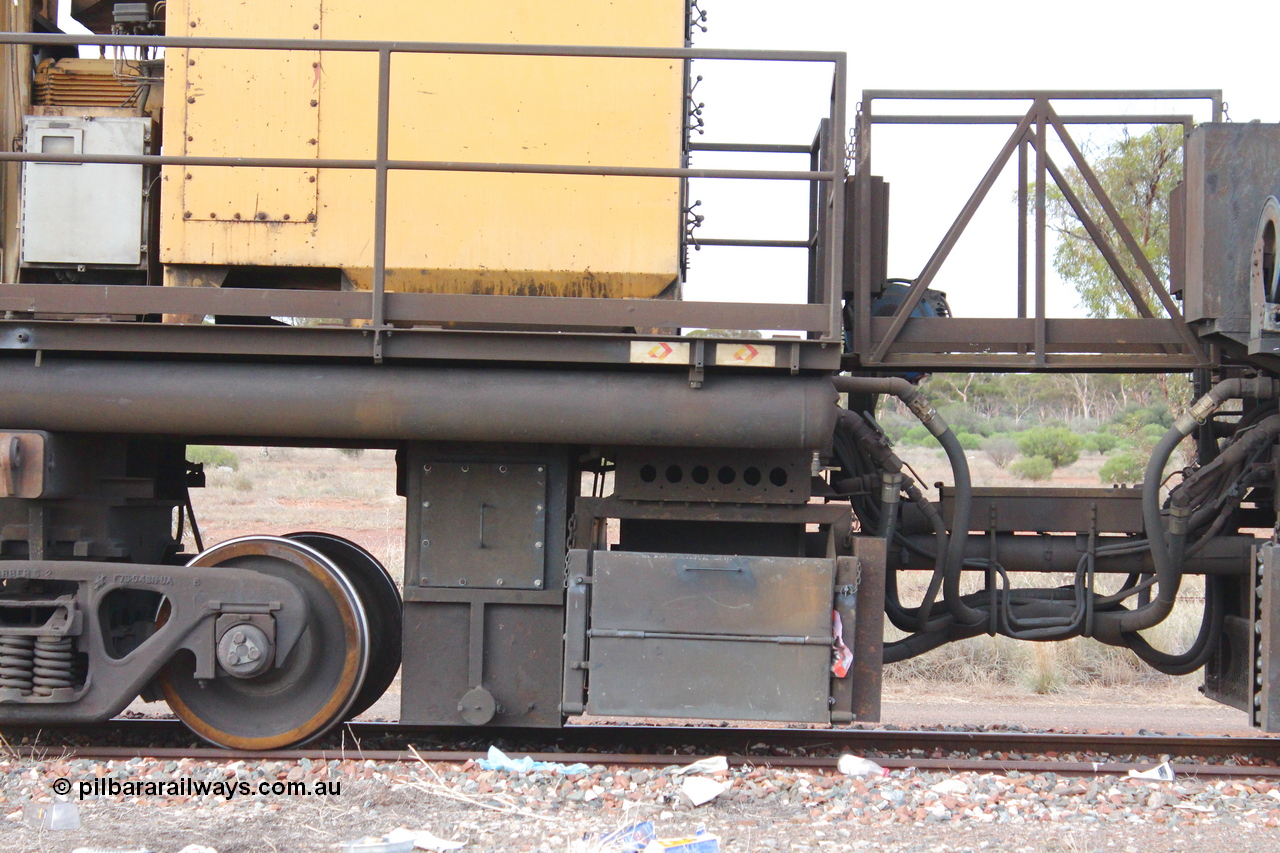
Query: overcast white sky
[[928, 44], [956, 45]]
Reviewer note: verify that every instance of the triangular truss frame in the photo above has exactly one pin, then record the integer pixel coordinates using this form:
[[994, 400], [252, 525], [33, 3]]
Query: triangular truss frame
[[1150, 342]]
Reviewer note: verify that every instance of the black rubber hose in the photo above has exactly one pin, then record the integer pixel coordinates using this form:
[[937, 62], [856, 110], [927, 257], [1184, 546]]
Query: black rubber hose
[[1203, 646], [1168, 574], [927, 415], [959, 532]]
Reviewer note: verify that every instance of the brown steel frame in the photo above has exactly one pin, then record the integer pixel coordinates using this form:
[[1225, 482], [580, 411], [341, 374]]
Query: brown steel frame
[[1147, 343], [820, 319]]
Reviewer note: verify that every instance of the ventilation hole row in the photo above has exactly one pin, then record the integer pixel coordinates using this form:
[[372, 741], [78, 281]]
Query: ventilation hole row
[[726, 475]]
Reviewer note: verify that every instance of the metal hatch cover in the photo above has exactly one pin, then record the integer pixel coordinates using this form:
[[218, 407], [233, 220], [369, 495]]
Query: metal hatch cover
[[710, 637], [483, 525]]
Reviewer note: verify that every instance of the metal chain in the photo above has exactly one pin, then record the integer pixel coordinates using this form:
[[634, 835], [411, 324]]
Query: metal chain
[[571, 540], [851, 149]]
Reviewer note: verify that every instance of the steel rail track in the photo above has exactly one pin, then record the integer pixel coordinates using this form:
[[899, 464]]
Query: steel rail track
[[951, 751]]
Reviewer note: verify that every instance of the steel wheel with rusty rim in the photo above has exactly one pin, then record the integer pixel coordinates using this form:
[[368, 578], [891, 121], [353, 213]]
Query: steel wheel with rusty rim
[[319, 679], [382, 603]]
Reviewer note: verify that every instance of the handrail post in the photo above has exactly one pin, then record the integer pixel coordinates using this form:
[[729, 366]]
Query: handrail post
[[835, 222], [380, 199]]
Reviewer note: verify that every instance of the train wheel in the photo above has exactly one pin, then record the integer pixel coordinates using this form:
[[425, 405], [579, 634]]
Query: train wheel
[[319, 680], [381, 599]]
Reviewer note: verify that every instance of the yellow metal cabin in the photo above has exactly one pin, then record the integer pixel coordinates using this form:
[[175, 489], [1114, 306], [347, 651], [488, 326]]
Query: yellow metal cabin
[[448, 232]]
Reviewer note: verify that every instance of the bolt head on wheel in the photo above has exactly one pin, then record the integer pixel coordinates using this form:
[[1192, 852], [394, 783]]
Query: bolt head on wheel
[[245, 651]]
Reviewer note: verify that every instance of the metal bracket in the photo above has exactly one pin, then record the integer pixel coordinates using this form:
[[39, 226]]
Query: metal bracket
[[697, 373]]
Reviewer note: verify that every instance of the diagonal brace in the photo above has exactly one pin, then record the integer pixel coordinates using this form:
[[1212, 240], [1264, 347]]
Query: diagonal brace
[[940, 254]]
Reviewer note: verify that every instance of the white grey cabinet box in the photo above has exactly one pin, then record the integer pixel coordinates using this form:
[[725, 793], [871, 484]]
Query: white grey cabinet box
[[84, 214]]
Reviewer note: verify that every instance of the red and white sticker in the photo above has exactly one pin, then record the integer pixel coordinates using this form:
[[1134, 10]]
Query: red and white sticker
[[659, 352], [746, 355]]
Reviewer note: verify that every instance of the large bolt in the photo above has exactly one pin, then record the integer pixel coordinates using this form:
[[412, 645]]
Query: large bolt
[[245, 651]]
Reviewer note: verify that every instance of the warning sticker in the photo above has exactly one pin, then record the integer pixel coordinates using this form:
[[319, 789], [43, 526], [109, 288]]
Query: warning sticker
[[746, 355], [659, 352]]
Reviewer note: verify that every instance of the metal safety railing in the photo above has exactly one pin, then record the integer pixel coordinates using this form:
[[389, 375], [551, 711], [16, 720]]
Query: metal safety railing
[[1145, 342], [819, 318]]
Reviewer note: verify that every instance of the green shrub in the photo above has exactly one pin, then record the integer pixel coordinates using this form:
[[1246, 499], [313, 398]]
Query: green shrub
[[1100, 442], [1000, 449], [1151, 433], [969, 441], [1138, 416], [917, 436], [963, 418], [213, 457], [1126, 467], [1059, 445], [1032, 468]]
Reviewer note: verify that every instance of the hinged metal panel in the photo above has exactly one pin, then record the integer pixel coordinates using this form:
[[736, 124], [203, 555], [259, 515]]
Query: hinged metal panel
[[754, 596], [684, 635], [483, 524], [83, 213], [251, 103]]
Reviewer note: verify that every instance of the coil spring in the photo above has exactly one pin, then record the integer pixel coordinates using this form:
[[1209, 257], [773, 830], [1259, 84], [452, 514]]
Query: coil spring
[[54, 665], [17, 665]]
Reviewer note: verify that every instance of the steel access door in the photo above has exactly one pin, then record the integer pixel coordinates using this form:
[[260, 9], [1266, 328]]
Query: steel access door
[[710, 637]]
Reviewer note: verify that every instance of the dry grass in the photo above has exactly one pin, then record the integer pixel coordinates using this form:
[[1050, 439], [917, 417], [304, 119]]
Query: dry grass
[[1000, 663], [281, 490], [1046, 668]]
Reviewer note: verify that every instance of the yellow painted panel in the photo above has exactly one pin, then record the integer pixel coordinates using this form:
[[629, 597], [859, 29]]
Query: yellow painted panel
[[486, 233], [250, 104]]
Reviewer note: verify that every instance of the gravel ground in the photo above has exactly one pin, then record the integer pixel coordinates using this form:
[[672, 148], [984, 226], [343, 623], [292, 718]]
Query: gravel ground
[[763, 809]]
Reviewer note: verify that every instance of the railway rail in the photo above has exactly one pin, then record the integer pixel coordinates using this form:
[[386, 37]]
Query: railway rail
[[1064, 753]]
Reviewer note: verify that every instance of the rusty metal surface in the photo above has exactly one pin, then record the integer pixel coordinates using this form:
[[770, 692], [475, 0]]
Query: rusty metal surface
[[674, 474], [1225, 555], [344, 344], [1263, 677], [709, 637], [1230, 674], [483, 524], [1231, 169], [115, 681], [1048, 510], [867, 675], [370, 402], [512, 651], [24, 464], [435, 308]]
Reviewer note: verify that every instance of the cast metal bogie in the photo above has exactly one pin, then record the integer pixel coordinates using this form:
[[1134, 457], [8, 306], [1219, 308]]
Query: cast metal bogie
[[193, 597]]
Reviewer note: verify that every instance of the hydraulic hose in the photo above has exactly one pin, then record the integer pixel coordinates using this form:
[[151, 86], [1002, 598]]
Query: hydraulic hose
[[1167, 555], [1201, 648], [914, 400]]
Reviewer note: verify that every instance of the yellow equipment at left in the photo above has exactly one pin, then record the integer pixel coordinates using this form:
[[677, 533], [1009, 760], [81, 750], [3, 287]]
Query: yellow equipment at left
[[448, 232]]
